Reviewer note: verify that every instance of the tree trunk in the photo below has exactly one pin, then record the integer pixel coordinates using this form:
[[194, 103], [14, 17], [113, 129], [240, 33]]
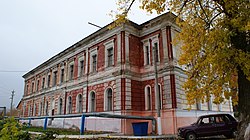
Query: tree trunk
[[243, 104], [240, 42]]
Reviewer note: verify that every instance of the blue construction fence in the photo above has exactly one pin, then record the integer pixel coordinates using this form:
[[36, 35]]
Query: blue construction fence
[[84, 115]]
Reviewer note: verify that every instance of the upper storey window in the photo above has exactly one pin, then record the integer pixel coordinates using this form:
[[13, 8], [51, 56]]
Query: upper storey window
[[48, 81], [146, 51], [80, 67], [37, 85], [156, 47], [27, 89], [109, 53], [32, 87], [54, 78], [71, 72], [43, 82], [62, 75], [110, 57], [94, 63]]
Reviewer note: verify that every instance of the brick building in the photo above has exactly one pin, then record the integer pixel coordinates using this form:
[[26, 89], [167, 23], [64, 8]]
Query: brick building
[[112, 71]]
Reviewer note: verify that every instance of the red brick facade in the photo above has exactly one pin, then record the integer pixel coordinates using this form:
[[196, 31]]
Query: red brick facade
[[112, 71]]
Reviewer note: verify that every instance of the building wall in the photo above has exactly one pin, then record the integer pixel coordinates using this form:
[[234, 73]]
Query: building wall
[[128, 75]]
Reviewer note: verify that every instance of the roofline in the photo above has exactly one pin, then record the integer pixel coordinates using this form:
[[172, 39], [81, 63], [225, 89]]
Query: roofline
[[77, 44]]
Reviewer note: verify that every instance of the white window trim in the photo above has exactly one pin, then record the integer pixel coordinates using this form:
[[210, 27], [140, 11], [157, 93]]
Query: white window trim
[[43, 86], [79, 66], [67, 106], [53, 80], [46, 82], [145, 44], [106, 99], [77, 103], [40, 109], [61, 75], [70, 64], [37, 82], [146, 97], [92, 53], [58, 107], [34, 109], [89, 102], [108, 45], [156, 40], [159, 96], [33, 86]]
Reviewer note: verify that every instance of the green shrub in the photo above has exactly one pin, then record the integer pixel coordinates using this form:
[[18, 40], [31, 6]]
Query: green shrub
[[12, 131]]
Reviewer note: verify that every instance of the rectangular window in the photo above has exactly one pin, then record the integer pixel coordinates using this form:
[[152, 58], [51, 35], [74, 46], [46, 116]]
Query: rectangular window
[[37, 85], [156, 52], [81, 67], [48, 84], [43, 83], [94, 62], [110, 57], [71, 70], [27, 89], [32, 87], [62, 75], [55, 78], [147, 55]]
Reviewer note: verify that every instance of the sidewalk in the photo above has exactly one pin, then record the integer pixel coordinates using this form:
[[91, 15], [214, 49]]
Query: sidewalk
[[113, 136]]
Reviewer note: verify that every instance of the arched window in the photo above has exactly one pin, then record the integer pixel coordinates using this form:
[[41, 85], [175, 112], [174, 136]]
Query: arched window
[[148, 102], [40, 108], [47, 108], [34, 112], [60, 103], [30, 111], [160, 97], [69, 105], [92, 102], [79, 103], [108, 102]]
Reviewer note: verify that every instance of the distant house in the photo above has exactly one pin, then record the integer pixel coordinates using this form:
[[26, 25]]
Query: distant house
[[112, 71]]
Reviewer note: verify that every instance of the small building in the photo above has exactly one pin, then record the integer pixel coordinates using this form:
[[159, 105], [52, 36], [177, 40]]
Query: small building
[[112, 71]]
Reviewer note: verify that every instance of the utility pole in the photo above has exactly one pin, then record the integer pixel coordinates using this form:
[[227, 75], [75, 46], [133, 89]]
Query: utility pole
[[157, 93], [11, 103]]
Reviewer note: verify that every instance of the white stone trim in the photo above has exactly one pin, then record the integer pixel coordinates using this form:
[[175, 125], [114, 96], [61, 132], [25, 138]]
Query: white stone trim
[[159, 96], [90, 102], [118, 48], [105, 103], [155, 39], [108, 45], [146, 43], [92, 53], [79, 66], [146, 97], [77, 103], [127, 46]]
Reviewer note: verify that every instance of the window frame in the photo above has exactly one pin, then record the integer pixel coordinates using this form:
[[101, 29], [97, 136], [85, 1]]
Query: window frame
[[108, 102], [147, 55], [79, 103], [81, 66], [148, 101], [108, 46], [91, 104]]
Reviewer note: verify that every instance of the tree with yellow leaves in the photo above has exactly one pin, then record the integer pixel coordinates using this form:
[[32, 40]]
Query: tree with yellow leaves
[[215, 41]]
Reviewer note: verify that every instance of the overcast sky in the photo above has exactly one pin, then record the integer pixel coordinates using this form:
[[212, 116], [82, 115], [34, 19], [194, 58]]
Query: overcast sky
[[32, 31]]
